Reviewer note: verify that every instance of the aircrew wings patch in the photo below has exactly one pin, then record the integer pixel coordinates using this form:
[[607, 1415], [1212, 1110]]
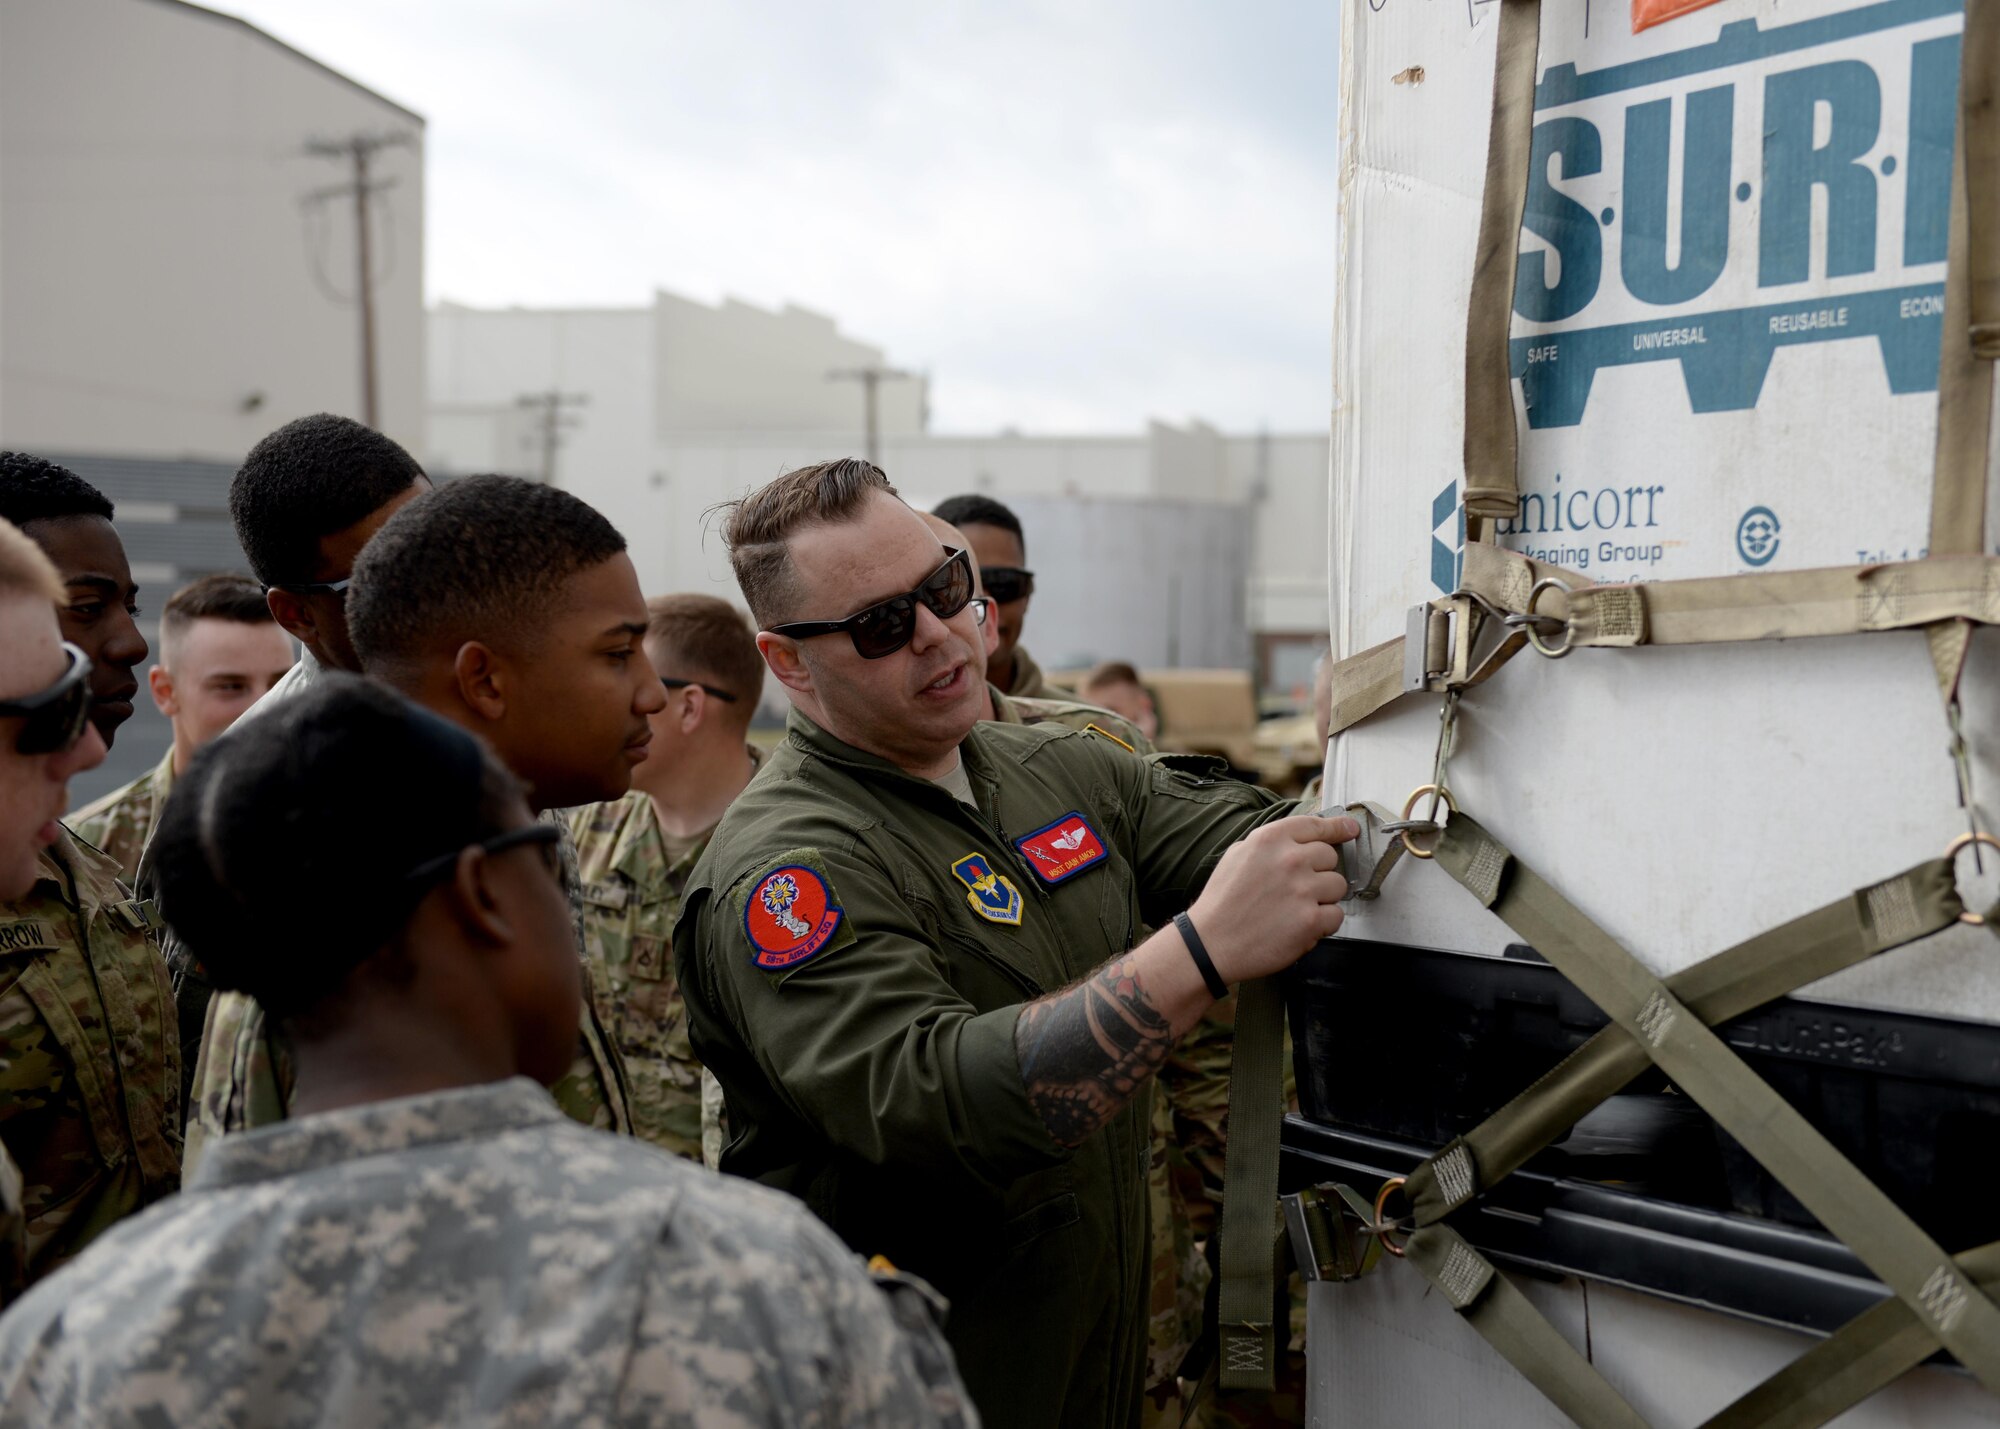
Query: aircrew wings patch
[[790, 917], [1063, 849]]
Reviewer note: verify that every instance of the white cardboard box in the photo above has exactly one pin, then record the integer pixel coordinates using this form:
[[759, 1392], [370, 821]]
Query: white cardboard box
[[1728, 327]]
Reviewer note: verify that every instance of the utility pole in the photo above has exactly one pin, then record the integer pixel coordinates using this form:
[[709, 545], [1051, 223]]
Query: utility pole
[[871, 380], [550, 420], [359, 150]]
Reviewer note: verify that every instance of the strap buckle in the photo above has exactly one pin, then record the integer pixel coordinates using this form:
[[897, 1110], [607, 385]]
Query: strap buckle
[[1535, 622]]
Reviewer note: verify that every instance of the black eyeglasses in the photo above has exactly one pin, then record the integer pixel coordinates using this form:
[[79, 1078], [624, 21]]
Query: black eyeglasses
[[697, 685], [548, 835], [338, 588], [53, 719], [887, 626], [982, 608], [1007, 584]]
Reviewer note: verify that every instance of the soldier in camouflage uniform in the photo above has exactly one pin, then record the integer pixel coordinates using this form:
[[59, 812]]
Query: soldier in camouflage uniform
[[431, 1241], [511, 608], [636, 853], [220, 651], [89, 1069]]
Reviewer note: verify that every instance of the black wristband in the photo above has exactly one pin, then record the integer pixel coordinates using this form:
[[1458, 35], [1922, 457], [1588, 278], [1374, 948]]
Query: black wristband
[[1217, 988]]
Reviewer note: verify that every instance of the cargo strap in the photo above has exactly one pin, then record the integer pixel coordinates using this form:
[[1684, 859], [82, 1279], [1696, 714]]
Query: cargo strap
[[1248, 1334], [1872, 920], [1979, 142], [1491, 440], [1699, 1063], [1971, 296], [1777, 605]]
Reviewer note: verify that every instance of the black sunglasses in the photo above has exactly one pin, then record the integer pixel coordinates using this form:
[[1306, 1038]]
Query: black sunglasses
[[697, 685], [338, 588], [1007, 584], [53, 719], [431, 869], [887, 626]]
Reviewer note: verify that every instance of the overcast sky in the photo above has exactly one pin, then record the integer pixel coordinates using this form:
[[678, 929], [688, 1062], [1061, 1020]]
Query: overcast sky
[[1076, 214]]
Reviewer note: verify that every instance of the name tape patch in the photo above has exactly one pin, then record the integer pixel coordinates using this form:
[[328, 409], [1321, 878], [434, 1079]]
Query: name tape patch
[[789, 916], [27, 935], [992, 894], [1063, 849]]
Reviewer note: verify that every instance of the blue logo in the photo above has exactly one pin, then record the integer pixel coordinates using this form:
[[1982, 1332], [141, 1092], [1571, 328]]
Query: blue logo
[[1445, 560], [1757, 536], [992, 896]]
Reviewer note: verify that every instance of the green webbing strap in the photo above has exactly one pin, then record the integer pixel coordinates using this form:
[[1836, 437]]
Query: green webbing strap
[[1979, 140], [1868, 1352], [1248, 1338], [1506, 1320], [1872, 920], [1971, 296], [1491, 443], [1825, 1182]]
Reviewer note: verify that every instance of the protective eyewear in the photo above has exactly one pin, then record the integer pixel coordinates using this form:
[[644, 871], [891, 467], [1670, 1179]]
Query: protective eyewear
[[548, 835], [982, 609], [1007, 584], [887, 626], [697, 685], [334, 588], [53, 719]]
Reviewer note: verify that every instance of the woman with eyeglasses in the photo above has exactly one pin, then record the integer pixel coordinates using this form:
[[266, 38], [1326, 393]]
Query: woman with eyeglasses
[[89, 1089], [430, 1240]]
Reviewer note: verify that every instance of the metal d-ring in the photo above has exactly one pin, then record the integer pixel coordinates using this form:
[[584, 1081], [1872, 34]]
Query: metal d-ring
[[1381, 1227], [1409, 806], [1553, 652], [1959, 845]]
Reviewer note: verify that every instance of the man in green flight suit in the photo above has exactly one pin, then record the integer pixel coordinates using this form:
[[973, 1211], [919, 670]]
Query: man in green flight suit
[[636, 854], [89, 1052], [908, 953]]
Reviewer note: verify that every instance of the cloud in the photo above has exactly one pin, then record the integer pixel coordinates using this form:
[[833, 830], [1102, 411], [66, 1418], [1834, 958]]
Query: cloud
[[1076, 217]]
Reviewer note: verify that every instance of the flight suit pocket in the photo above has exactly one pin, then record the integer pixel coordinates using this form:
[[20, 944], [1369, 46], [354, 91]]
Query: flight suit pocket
[[1054, 1214]]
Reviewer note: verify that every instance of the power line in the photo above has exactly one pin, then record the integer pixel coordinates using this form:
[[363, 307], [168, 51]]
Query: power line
[[550, 421], [871, 380], [359, 151]]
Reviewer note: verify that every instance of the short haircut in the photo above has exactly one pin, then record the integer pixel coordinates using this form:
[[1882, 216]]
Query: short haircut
[[34, 488], [1111, 672], [698, 637], [972, 509], [222, 596], [24, 568], [304, 482], [287, 813], [758, 529], [475, 559]]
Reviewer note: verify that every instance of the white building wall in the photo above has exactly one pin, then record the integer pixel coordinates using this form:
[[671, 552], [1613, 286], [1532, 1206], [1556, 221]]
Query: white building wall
[[1173, 545], [164, 278], [742, 368]]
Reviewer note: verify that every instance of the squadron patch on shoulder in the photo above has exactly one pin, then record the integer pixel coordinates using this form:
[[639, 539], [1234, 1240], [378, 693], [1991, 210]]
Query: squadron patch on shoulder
[[789, 917], [1063, 849], [992, 895]]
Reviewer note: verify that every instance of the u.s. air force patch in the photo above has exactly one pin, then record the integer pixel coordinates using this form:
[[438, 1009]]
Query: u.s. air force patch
[[992, 895], [790, 917]]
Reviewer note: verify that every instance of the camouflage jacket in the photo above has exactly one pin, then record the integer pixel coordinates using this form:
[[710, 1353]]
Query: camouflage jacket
[[1070, 714], [243, 1077], [1029, 683], [469, 1257], [122, 821], [631, 896], [89, 1054]]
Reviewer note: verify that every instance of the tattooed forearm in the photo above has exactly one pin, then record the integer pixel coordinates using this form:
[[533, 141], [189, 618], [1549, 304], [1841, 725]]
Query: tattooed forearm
[[1087, 1050]]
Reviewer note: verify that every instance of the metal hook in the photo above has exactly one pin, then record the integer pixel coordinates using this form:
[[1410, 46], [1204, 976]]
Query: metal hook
[[1555, 652], [1974, 840]]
